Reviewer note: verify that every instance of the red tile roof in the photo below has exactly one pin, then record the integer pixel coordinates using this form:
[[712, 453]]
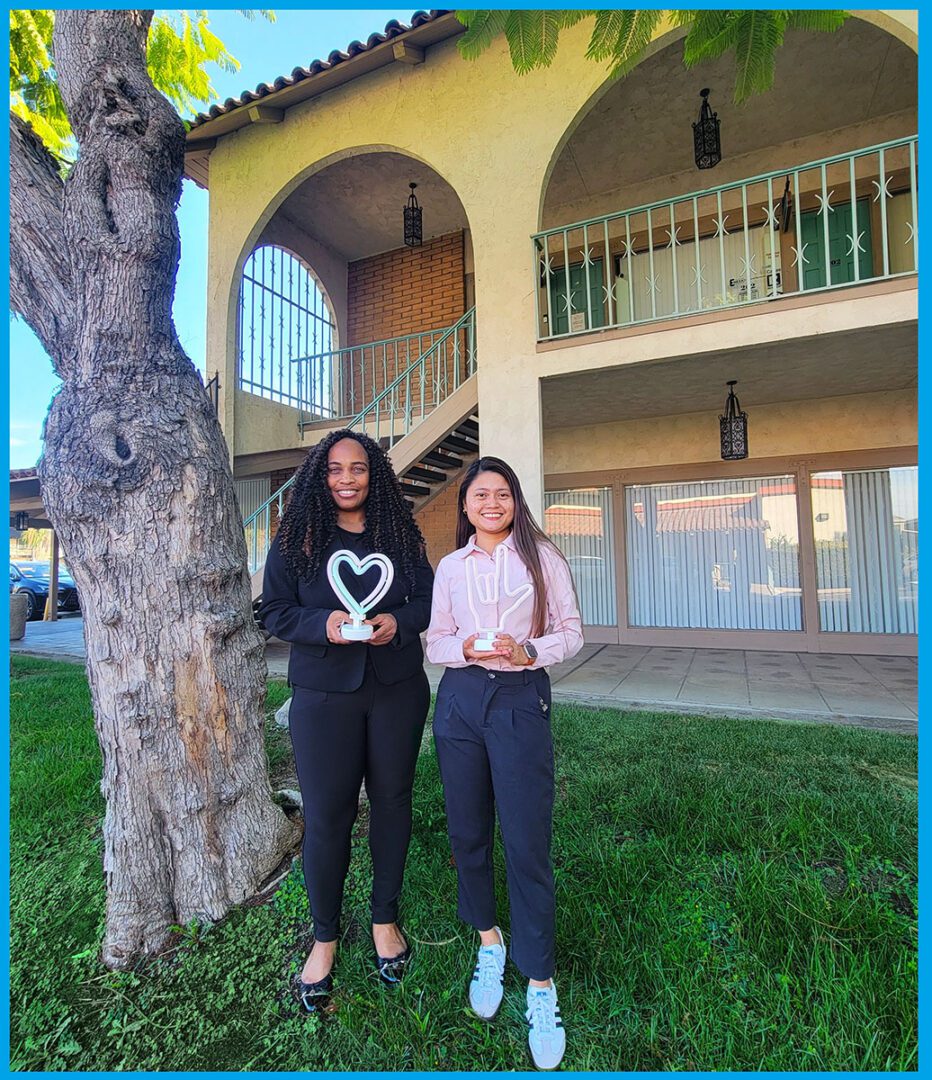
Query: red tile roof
[[393, 29], [562, 520]]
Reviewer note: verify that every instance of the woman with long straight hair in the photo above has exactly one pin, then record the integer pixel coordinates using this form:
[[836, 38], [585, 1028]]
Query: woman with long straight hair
[[358, 708], [508, 581]]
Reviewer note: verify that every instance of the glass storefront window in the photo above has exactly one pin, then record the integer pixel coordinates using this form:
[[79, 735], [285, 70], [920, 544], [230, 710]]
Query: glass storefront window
[[579, 522], [866, 527], [714, 554]]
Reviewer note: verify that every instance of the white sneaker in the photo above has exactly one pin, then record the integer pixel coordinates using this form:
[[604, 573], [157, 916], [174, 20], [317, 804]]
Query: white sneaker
[[546, 1036], [488, 980]]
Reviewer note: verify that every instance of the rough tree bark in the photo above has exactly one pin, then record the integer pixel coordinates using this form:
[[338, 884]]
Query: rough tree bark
[[136, 480]]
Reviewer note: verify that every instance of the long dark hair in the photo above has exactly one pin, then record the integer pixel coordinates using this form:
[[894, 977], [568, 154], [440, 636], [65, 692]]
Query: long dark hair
[[529, 536], [310, 519]]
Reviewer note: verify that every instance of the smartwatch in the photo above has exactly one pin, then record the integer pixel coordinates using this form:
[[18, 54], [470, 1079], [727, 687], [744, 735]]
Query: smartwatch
[[531, 651]]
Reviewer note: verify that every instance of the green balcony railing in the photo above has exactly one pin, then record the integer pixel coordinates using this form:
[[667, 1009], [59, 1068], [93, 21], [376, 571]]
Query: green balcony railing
[[826, 224], [394, 410]]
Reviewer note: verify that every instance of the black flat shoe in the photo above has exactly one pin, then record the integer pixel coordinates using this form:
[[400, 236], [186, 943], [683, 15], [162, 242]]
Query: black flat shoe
[[315, 996], [391, 969]]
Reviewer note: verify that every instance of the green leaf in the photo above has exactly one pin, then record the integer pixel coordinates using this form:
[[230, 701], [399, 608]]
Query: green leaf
[[635, 34], [180, 49], [816, 21], [482, 29], [533, 37], [711, 34], [759, 35]]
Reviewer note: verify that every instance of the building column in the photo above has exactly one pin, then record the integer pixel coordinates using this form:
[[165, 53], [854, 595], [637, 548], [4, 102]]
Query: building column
[[510, 424]]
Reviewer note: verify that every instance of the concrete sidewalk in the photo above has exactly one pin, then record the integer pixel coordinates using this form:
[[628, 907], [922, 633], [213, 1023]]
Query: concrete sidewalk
[[868, 691]]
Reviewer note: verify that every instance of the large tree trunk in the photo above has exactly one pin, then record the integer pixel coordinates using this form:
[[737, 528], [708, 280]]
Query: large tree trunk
[[136, 480]]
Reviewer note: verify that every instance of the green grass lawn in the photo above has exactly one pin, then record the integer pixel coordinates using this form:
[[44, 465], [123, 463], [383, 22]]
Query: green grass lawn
[[731, 894]]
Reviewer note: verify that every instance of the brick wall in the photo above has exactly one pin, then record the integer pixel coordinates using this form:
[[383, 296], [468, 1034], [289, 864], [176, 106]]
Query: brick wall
[[437, 521], [406, 290], [276, 480], [400, 292]]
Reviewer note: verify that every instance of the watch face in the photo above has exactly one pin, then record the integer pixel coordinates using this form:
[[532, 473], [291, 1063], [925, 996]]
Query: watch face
[[530, 650]]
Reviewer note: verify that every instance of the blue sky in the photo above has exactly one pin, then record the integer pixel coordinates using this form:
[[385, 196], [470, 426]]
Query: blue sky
[[265, 50]]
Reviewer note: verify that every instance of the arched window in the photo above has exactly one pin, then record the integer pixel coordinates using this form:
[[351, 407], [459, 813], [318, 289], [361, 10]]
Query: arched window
[[284, 319]]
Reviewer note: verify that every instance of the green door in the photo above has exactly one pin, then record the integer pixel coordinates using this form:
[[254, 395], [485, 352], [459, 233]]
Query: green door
[[840, 246], [559, 314]]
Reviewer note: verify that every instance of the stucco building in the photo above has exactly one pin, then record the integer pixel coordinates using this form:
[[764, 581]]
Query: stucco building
[[582, 296]]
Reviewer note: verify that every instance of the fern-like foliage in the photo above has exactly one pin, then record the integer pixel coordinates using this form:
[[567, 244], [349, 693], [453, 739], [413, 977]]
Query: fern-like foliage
[[180, 49], [34, 93], [621, 36]]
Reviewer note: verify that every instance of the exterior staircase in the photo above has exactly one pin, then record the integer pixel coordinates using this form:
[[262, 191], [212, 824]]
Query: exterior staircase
[[426, 418]]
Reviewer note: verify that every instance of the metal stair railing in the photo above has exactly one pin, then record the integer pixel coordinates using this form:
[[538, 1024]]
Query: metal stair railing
[[395, 411], [337, 382]]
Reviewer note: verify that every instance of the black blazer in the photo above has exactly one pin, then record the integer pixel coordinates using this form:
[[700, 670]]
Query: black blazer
[[297, 611]]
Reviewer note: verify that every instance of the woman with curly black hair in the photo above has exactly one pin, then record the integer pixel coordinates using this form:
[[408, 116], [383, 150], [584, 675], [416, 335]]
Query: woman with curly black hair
[[358, 708]]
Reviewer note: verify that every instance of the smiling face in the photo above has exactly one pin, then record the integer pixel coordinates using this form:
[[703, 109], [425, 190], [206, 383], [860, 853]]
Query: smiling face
[[348, 475], [489, 505]]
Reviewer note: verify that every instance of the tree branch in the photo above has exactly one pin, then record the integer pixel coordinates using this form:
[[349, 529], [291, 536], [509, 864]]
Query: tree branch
[[41, 288], [119, 224]]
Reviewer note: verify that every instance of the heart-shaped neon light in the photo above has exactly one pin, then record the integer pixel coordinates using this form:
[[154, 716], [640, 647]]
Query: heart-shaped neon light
[[358, 609]]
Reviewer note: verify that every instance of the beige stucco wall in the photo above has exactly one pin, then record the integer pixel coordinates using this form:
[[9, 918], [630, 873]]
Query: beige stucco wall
[[263, 425], [853, 422], [495, 149]]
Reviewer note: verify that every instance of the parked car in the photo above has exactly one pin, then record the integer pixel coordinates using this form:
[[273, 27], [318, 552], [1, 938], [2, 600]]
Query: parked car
[[33, 579]]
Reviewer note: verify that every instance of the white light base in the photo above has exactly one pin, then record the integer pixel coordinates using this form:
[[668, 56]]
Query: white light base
[[484, 644], [356, 633]]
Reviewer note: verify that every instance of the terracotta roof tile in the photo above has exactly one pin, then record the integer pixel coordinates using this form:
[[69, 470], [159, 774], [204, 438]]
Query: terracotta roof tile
[[393, 29]]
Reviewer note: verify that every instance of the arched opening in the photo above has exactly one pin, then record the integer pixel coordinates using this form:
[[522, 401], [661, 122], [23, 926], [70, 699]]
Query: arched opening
[[377, 305], [816, 188]]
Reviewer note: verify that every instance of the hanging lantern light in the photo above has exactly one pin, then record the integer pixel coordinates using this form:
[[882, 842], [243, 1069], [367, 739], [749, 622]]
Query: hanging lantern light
[[414, 234], [706, 140], [734, 427], [21, 521]]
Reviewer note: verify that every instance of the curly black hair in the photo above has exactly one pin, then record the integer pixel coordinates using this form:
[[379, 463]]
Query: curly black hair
[[310, 518]]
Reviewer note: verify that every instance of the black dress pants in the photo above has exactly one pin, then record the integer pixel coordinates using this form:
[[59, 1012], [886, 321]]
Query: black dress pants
[[495, 751], [339, 739]]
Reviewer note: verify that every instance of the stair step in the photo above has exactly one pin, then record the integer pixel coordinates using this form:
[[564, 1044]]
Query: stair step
[[414, 489], [469, 428], [454, 442], [441, 460], [429, 476]]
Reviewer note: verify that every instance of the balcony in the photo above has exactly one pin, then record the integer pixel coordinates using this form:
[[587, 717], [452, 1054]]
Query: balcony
[[827, 224]]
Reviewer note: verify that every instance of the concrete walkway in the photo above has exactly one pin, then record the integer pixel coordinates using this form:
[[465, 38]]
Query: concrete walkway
[[868, 691]]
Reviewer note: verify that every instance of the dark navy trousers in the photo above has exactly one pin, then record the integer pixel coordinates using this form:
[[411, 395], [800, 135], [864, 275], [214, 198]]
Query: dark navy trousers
[[494, 747]]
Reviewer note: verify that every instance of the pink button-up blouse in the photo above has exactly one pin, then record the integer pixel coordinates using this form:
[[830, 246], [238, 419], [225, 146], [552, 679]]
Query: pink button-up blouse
[[460, 609]]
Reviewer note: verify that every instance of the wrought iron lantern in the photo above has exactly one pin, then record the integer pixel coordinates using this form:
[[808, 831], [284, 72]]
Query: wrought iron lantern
[[21, 521], [706, 135], [734, 427], [414, 232]]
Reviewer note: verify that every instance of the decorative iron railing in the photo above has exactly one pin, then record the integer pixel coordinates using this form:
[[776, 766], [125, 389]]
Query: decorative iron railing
[[283, 314], [213, 391], [823, 225], [339, 382], [396, 409]]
